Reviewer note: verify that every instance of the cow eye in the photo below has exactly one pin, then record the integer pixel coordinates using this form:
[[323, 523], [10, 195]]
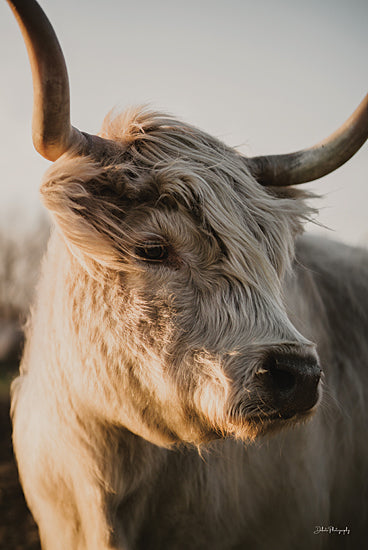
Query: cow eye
[[152, 252]]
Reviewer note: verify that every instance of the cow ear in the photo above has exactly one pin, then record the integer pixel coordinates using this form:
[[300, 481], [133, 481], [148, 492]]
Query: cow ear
[[76, 192]]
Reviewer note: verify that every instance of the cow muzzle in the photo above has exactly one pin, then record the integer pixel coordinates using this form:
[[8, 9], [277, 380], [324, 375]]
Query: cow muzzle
[[288, 382]]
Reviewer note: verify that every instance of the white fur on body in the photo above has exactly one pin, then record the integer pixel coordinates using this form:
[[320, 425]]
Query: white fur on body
[[133, 371]]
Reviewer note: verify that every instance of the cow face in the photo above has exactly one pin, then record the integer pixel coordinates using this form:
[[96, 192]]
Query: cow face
[[185, 254]]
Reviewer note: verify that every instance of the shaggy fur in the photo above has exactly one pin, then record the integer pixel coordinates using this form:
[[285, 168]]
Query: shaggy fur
[[138, 411]]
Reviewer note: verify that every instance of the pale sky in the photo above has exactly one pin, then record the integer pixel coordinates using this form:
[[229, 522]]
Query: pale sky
[[271, 76]]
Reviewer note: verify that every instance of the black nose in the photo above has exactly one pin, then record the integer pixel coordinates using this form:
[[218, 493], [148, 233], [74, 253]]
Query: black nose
[[291, 382]]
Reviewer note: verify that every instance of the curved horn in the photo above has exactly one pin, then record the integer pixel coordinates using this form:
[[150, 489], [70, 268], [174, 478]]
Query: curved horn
[[317, 161], [52, 131]]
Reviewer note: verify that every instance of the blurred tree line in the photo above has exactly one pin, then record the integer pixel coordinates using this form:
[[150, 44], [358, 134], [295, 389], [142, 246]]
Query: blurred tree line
[[20, 260]]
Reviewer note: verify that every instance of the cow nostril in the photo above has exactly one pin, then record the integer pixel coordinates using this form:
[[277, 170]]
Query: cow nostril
[[290, 381], [282, 379]]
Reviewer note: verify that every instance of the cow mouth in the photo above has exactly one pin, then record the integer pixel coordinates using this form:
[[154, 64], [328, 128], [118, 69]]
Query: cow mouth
[[278, 416], [274, 415], [266, 423]]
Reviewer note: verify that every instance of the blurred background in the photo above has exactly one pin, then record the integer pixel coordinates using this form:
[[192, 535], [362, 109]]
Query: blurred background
[[267, 76]]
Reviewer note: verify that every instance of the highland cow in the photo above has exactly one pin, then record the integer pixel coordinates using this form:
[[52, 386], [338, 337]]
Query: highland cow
[[195, 372]]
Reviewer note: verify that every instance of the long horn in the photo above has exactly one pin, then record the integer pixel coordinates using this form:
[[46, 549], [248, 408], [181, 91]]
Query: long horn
[[52, 131], [317, 161], [51, 128]]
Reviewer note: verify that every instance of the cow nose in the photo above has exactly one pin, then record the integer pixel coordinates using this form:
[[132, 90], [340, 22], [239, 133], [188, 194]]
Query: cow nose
[[291, 382]]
